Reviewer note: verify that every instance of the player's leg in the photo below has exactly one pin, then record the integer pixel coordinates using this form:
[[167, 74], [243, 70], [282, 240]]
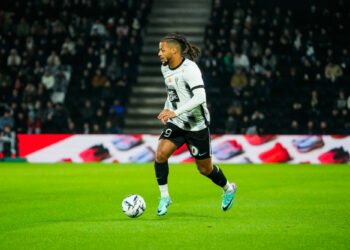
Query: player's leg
[[214, 173], [200, 148], [164, 151], [169, 141]]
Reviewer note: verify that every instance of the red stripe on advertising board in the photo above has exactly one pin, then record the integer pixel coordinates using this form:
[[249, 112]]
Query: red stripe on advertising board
[[31, 143]]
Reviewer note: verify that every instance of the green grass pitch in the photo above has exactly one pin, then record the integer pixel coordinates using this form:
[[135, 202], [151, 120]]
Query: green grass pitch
[[78, 206]]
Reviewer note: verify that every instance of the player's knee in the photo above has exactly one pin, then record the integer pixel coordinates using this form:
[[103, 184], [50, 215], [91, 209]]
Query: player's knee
[[161, 156]]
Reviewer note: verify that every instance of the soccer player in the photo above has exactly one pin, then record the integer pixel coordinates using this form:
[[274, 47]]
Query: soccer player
[[186, 118]]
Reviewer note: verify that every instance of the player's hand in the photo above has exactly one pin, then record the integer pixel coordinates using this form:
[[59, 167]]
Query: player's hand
[[165, 115]]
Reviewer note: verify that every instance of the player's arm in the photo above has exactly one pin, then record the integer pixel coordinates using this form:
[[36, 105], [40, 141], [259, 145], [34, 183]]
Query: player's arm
[[165, 110], [193, 77], [197, 99]]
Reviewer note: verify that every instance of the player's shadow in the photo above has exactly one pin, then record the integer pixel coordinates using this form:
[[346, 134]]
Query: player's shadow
[[172, 215], [188, 215]]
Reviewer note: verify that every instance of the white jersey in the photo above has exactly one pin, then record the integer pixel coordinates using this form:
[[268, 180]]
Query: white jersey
[[180, 83]]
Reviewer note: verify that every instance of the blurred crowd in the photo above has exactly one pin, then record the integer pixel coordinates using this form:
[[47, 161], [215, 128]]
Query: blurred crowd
[[67, 66], [279, 69]]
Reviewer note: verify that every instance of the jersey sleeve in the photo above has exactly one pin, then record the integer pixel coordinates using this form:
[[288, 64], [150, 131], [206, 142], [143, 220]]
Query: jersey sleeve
[[193, 76], [197, 99]]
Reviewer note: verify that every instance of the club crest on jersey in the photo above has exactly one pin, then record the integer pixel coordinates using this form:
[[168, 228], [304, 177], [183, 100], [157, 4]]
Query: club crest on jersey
[[170, 80], [194, 150]]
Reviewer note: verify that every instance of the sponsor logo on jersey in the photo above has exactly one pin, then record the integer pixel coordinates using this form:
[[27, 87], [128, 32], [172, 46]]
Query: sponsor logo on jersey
[[173, 97]]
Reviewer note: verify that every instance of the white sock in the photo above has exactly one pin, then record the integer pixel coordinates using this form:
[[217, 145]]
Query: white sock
[[227, 188], [164, 190]]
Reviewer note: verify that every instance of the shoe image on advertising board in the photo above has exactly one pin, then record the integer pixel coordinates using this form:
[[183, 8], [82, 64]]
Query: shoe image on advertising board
[[188, 160], [338, 136], [180, 150], [335, 155], [227, 149], [125, 142], [307, 143], [145, 155], [276, 154], [258, 139], [95, 153]]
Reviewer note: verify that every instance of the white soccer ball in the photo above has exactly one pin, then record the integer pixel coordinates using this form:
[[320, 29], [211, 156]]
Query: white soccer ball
[[133, 205]]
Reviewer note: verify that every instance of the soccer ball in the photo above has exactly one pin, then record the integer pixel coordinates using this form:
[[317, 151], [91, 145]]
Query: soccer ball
[[133, 205]]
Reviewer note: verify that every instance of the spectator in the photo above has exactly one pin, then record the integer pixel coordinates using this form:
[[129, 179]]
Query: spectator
[[8, 142], [60, 119], [47, 117], [33, 125], [239, 80], [38, 71], [23, 28], [29, 93], [14, 60], [294, 128], [98, 27], [86, 128], [48, 80], [323, 128], [228, 63], [60, 88], [53, 60], [269, 60], [333, 71], [96, 129], [310, 128], [66, 57], [69, 46], [122, 29], [91, 59], [341, 101], [21, 123], [117, 108], [5, 90], [121, 88], [41, 94], [99, 79], [103, 58], [113, 71], [6, 120], [109, 129], [107, 92], [87, 112], [71, 127], [248, 127], [99, 118], [345, 61], [241, 60]]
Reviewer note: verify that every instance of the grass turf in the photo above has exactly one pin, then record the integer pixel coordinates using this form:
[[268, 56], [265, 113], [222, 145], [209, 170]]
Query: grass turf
[[71, 206]]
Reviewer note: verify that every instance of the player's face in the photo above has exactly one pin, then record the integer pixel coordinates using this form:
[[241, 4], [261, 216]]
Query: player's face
[[165, 52]]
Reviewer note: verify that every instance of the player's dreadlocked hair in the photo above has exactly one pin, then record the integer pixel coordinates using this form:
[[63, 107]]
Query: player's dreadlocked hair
[[187, 48]]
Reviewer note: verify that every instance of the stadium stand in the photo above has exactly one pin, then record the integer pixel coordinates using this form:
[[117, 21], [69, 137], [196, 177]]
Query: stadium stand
[[67, 66], [279, 69]]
